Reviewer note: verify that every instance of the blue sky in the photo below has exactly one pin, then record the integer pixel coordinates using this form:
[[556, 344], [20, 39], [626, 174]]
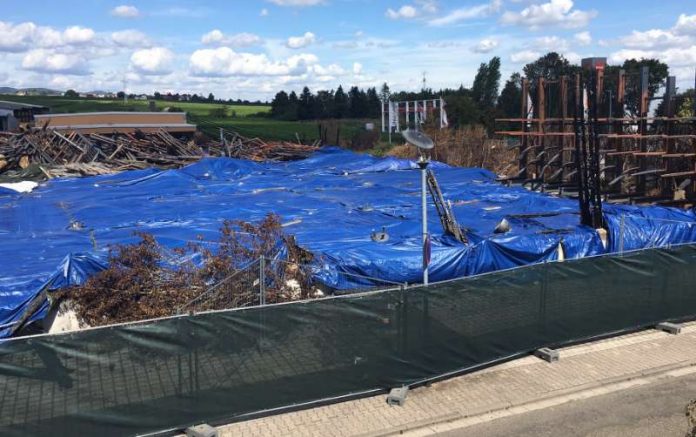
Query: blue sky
[[253, 48]]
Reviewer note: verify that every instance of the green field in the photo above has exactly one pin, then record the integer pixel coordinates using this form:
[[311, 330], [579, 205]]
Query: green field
[[243, 119]]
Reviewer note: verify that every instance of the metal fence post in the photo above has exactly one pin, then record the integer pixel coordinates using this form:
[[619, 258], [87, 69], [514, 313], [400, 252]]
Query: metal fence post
[[262, 281], [621, 233]]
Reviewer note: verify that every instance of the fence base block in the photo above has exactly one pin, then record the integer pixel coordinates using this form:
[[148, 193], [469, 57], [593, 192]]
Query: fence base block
[[672, 328], [397, 396], [547, 354], [202, 430]]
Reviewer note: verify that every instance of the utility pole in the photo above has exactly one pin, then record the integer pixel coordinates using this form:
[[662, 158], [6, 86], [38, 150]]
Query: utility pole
[[125, 91]]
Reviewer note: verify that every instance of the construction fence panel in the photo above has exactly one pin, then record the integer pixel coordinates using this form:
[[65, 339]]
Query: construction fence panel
[[230, 365]]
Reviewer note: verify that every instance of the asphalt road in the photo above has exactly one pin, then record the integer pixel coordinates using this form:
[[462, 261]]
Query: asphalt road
[[655, 410]]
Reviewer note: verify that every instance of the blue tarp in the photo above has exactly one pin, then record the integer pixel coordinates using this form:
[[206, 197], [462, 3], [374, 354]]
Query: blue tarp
[[60, 233]]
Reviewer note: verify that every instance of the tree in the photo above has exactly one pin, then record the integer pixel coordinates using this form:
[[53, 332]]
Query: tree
[[306, 105], [211, 97], [384, 93], [462, 110], [357, 101], [340, 103], [280, 104], [293, 107], [120, 95], [324, 104], [683, 104], [550, 66], [158, 95], [484, 92], [510, 100], [372, 103], [477, 90], [71, 93], [656, 79]]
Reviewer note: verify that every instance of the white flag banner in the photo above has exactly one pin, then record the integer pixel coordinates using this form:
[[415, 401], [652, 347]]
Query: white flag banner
[[443, 115]]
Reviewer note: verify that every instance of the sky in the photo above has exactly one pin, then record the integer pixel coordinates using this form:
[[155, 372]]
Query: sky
[[253, 48]]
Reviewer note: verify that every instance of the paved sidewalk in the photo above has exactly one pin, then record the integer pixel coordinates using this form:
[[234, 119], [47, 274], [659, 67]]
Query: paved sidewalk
[[520, 386]]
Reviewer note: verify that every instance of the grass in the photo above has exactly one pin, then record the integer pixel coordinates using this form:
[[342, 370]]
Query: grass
[[206, 115], [67, 105]]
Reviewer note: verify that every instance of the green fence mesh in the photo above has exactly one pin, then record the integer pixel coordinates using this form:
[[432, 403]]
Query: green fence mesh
[[223, 366]]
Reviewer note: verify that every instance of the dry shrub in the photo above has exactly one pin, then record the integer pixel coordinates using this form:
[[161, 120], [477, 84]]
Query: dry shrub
[[142, 282], [468, 146]]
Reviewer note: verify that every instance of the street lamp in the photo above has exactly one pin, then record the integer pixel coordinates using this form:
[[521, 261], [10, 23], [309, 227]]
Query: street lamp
[[424, 145]]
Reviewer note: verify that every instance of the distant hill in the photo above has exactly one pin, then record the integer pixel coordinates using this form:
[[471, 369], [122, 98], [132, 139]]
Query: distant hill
[[30, 91]]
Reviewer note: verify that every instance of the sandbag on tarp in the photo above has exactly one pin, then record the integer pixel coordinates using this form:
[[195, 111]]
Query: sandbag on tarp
[[332, 200]]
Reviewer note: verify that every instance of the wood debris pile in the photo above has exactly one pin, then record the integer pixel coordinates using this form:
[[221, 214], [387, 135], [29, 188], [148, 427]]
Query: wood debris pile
[[50, 153], [255, 149]]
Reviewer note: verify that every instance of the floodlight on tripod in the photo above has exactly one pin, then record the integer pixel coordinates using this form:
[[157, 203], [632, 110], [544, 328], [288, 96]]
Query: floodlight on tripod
[[424, 144]]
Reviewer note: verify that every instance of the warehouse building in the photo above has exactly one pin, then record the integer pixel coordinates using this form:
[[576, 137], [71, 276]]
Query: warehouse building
[[23, 112]]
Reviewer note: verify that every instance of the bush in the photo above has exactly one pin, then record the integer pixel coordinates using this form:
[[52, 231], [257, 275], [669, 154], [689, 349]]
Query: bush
[[144, 282], [219, 112]]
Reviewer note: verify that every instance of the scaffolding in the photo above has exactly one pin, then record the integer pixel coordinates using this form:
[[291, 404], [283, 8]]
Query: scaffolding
[[576, 136]]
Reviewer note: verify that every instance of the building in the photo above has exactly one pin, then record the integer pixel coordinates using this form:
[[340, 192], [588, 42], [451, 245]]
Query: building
[[8, 121], [117, 122], [23, 112]]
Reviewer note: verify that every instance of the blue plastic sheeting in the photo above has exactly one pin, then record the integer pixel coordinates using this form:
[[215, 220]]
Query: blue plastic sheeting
[[60, 233]]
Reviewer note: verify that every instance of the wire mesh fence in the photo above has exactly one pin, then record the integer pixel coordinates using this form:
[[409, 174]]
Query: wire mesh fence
[[217, 366], [274, 280]]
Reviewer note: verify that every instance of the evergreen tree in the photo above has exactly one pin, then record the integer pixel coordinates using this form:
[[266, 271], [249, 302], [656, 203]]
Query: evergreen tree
[[357, 103], [373, 103], [306, 105], [293, 107], [384, 93], [510, 100], [324, 104], [340, 105], [279, 105]]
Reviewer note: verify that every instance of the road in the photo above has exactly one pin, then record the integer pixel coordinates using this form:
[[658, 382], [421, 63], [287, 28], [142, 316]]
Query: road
[[655, 410]]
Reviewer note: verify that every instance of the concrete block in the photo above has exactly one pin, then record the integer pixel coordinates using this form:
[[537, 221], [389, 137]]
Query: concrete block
[[547, 354], [672, 328], [397, 396], [202, 430]]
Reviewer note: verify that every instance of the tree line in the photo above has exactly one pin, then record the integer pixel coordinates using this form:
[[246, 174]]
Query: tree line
[[356, 103], [481, 103]]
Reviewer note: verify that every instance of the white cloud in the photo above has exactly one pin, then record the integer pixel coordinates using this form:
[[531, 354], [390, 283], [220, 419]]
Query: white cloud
[[155, 61], [675, 46], [550, 44], [25, 36], [77, 35], [583, 38], [524, 56], [125, 11], [467, 13], [428, 6], [486, 45], [686, 25], [404, 12], [554, 13], [224, 62], [264, 12], [678, 57], [130, 38], [216, 37], [357, 68], [297, 42], [297, 3], [46, 61], [653, 38]]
